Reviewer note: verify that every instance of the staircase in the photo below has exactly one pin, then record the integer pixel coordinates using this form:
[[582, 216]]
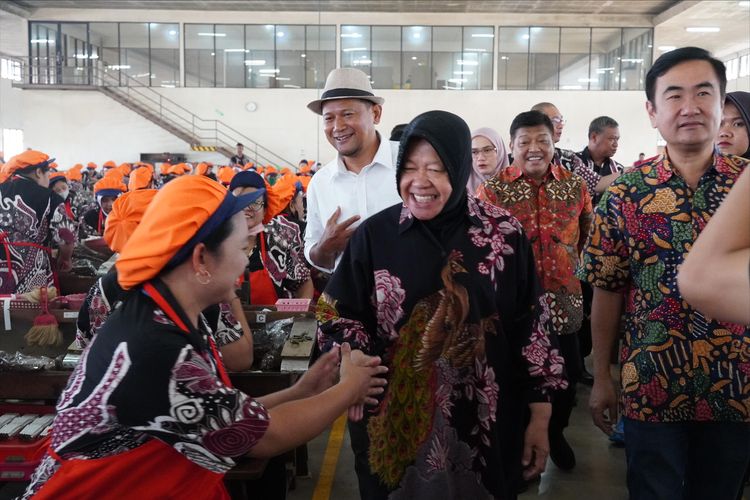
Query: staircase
[[153, 106]]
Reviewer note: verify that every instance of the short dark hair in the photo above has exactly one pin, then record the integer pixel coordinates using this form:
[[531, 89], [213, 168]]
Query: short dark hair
[[670, 59], [397, 131], [530, 119], [598, 125], [240, 144]]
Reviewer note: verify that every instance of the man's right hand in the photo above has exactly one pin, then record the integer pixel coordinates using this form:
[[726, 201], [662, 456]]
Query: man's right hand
[[334, 239], [603, 404]]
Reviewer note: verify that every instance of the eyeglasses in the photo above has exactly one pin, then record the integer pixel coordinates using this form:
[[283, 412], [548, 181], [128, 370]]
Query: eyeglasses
[[484, 151], [558, 120], [256, 206]]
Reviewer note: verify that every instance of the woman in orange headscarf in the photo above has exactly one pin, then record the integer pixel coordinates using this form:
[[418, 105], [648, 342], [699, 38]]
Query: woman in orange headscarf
[[32, 218], [150, 411], [106, 190], [276, 265]]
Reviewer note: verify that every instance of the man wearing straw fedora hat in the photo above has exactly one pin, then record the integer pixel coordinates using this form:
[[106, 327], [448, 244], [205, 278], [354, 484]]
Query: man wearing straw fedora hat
[[361, 180]]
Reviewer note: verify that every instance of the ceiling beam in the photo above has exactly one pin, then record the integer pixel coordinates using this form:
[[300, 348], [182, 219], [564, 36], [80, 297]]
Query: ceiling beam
[[675, 10], [15, 8]]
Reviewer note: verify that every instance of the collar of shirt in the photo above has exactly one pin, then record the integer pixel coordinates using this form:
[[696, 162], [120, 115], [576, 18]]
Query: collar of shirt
[[663, 170], [513, 173], [382, 157]]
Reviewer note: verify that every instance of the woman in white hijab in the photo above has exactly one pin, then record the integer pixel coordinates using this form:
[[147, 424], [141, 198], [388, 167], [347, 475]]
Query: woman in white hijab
[[488, 156]]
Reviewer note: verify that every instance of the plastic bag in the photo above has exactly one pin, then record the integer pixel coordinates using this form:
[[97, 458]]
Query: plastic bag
[[20, 362], [268, 343]]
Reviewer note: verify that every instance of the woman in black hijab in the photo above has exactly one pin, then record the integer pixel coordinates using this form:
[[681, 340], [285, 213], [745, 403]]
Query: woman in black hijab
[[443, 287], [734, 132]]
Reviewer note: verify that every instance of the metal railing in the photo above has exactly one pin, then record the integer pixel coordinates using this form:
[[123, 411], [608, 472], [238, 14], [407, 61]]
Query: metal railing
[[149, 103]]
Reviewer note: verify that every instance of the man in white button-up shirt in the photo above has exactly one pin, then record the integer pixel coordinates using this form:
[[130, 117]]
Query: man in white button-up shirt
[[361, 181]]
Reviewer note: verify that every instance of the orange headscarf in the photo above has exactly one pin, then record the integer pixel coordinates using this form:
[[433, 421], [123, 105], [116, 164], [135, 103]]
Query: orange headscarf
[[285, 170], [109, 183], [168, 224], [201, 168], [28, 158], [248, 165], [178, 169], [225, 175], [125, 168], [279, 195], [126, 214], [140, 178], [164, 168], [305, 180]]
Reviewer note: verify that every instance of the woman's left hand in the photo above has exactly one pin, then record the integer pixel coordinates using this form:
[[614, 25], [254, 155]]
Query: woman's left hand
[[535, 449], [320, 376]]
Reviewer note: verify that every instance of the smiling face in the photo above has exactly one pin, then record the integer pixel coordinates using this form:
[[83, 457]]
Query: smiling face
[[483, 155], [253, 213], [533, 149], [424, 184], [733, 132], [349, 125], [687, 105]]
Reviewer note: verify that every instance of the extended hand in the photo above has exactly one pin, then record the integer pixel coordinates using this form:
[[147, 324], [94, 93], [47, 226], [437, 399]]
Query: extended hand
[[603, 404]]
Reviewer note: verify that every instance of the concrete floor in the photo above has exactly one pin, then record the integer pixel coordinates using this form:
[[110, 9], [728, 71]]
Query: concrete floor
[[599, 473]]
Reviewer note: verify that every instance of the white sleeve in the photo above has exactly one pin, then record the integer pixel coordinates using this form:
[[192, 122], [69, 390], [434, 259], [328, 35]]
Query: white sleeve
[[315, 226]]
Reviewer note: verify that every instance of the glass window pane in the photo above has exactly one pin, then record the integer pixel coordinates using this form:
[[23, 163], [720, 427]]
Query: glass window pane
[[104, 44], [416, 57], [574, 58], [260, 63], [165, 54], [447, 58], [290, 45], [75, 53], [513, 64], [355, 46], [199, 55], [385, 59], [134, 51], [605, 58], [479, 42], [320, 57], [230, 55], [543, 58], [636, 50]]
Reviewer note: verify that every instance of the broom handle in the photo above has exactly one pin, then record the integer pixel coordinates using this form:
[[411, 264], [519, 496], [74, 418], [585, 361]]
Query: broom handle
[[43, 299]]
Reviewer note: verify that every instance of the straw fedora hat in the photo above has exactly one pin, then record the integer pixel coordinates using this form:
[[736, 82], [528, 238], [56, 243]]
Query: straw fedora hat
[[345, 83]]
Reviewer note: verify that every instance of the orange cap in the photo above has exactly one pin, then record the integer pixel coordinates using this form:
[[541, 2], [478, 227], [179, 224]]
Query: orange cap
[[109, 164], [306, 169], [29, 158], [74, 174], [109, 183], [170, 224], [91, 165], [202, 168], [178, 169], [54, 176], [140, 178], [305, 180], [125, 168], [248, 165], [285, 170], [225, 175], [164, 168], [126, 214], [279, 195], [145, 165]]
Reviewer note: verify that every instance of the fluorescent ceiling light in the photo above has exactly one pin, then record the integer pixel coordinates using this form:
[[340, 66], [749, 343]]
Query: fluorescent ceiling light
[[288, 86], [255, 62], [666, 48], [212, 34], [172, 32], [413, 58], [362, 62], [416, 35], [274, 70], [353, 49], [303, 55], [571, 87], [604, 70], [280, 34], [168, 86], [457, 80], [743, 4], [42, 40], [702, 29], [448, 87], [474, 50], [525, 36], [505, 58], [482, 35], [283, 78], [236, 50], [351, 35], [632, 60], [463, 72], [463, 62], [117, 66]]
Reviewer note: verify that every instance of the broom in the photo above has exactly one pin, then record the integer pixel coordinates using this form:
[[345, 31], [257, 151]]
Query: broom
[[45, 331]]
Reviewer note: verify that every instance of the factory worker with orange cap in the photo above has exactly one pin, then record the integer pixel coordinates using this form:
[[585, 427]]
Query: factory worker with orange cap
[[32, 222], [106, 190], [150, 411]]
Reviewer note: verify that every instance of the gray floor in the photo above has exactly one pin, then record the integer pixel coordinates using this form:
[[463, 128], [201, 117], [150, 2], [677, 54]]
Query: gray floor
[[599, 474]]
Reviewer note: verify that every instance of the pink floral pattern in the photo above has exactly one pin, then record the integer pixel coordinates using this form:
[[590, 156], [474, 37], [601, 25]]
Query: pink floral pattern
[[388, 300], [496, 223]]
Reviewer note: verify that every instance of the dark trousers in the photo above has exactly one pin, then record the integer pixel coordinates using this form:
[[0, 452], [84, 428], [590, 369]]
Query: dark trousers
[[584, 334], [370, 487], [564, 401], [686, 460]]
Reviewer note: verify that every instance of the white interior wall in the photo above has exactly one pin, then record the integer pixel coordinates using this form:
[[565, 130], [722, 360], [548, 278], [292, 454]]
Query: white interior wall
[[78, 126]]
